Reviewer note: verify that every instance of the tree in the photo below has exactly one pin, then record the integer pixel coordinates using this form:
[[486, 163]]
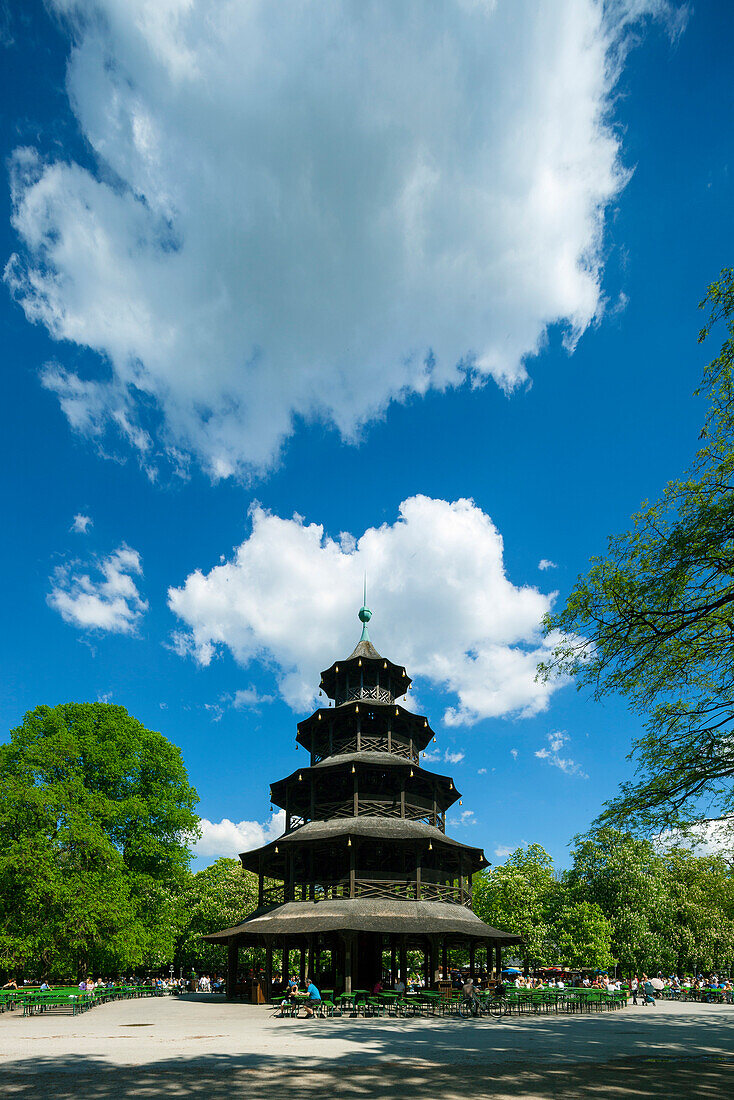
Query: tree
[[630, 884], [218, 897], [582, 936], [654, 620], [519, 897], [96, 813]]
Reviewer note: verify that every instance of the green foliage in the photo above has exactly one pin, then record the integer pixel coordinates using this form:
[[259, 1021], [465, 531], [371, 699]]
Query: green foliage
[[218, 897], [96, 812], [654, 620], [520, 896], [630, 884], [582, 936], [623, 901]]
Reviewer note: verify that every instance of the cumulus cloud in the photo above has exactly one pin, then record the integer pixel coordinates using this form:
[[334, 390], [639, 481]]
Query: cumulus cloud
[[229, 838], [513, 754], [443, 605], [81, 524], [249, 697], [106, 599], [466, 817], [306, 210], [502, 851], [552, 754], [713, 837], [546, 563]]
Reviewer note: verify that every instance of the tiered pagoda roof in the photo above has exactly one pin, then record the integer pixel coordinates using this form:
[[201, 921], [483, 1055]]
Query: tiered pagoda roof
[[365, 847]]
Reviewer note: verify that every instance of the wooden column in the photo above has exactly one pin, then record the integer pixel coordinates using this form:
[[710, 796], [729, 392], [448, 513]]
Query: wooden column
[[402, 798], [291, 874], [302, 966], [498, 959], [348, 945], [472, 950], [461, 877], [311, 957], [434, 960], [427, 963], [260, 883], [233, 951], [393, 966], [352, 870], [444, 958], [286, 967], [355, 796], [418, 877], [268, 971], [403, 960]]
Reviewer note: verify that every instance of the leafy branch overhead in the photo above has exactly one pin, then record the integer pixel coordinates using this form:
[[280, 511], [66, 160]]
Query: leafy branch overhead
[[653, 619]]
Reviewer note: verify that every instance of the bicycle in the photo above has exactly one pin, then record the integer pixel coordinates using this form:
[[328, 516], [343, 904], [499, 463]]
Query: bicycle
[[475, 1006]]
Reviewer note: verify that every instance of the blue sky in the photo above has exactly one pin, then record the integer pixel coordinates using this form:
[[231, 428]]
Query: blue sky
[[307, 281]]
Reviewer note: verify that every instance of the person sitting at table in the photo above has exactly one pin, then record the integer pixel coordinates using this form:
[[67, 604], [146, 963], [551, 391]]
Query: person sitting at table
[[314, 999], [290, 994], [399, 986], [12, 984], [377, 988]]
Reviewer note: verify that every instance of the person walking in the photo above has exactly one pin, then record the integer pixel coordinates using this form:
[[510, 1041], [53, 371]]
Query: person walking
[[634, 987]]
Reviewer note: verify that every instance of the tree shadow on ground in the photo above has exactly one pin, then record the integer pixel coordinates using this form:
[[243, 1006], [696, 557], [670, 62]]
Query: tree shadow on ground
[[222, 1077]]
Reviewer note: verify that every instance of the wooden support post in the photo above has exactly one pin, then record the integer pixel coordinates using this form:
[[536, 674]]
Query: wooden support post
[[418, 877], [260, 884], [233, 950], [403, 960], [286, 965], [311, 957], [352, 870], [393, 964], [348, 945], [498, 960], [402, 798], [268, 972], [472, 949], [444, 959], [427, 963], [355, 796], [302, 966], [434, 961]]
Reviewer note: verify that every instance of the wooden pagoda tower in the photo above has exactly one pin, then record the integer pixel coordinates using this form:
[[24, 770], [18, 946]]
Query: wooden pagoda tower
[[364, 865]]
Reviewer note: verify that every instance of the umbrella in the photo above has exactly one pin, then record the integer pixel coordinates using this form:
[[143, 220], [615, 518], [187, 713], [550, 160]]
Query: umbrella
[[512, 970], [657, 984]]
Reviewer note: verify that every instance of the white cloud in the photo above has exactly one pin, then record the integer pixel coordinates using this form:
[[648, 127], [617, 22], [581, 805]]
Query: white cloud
[[311, 210], [229, 838], [546, 563], [502, 851], [513, 754], [707, 838], [552, 754], [108, 601], [81, 524], [453, 757], [482, 771], [443, 606], [466, 817], [249, 697]]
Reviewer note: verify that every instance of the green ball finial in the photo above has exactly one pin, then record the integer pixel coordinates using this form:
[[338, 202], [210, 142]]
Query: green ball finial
[[364, 615]]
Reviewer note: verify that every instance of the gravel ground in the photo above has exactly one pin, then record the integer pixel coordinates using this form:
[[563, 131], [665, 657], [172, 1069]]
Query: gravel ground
[[195, 1048]]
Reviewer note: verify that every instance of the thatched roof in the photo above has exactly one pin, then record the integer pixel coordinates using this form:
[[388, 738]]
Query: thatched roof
[[375, 759], [376, 828], [398, 915]]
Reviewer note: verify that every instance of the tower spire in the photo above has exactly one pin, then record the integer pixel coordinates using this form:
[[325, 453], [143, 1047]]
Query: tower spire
[[365, 614]]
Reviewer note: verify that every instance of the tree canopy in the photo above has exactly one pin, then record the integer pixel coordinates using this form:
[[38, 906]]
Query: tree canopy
[[218, 897], [96, 815], [623, 900], [653, 619]]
